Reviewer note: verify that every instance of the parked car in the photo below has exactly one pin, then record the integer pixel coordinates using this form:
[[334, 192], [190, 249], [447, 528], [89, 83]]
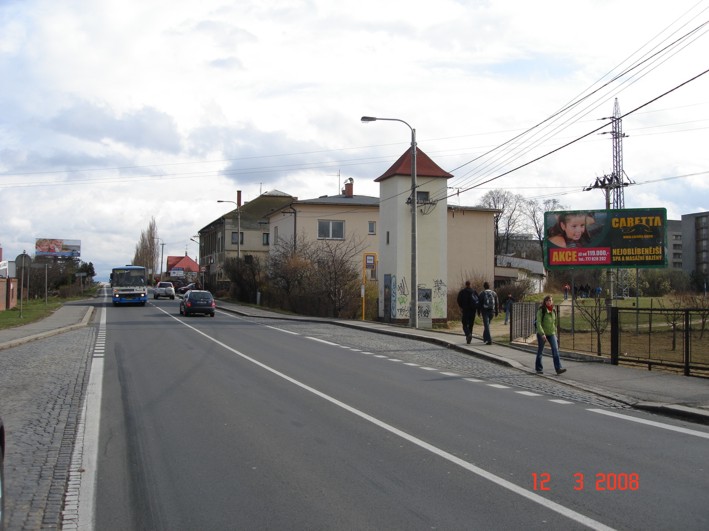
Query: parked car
[[184, 289], [2, 475], [197, 301], [164, 289]]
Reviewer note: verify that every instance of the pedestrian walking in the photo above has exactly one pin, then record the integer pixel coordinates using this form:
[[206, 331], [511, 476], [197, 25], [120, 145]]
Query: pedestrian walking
[[546, 331], [468, 302], [567, 288], [489, 308], [508, 307]]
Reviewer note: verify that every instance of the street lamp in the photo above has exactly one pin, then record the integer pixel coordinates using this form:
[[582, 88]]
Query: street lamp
[[199, 256], [413, 312], [238, 217]]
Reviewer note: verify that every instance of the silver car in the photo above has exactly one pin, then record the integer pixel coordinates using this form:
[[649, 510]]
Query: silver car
[[164, 289]]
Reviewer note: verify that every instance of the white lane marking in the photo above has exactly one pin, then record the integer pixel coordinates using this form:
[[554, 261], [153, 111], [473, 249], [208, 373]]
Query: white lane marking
[[283, 330], [452, 374], [84, 457], [652, 423], [322, 341], [505, 484]]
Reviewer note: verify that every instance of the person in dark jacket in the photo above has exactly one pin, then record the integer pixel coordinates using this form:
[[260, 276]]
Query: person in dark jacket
[[508, 307], [546, 331], [468, 302]]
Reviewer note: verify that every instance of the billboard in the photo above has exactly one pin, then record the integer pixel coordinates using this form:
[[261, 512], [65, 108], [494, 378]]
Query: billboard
[[57, 247], [605, 238]]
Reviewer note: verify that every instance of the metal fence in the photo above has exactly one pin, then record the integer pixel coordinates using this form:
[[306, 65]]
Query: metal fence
[[671, 338]]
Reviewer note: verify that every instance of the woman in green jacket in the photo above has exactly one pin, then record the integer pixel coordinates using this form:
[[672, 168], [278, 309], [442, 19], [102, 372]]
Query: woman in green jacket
[[546, 331]]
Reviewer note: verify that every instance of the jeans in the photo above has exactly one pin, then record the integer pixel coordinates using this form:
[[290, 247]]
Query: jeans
[[541, 339], [468, 320], [487, 316]]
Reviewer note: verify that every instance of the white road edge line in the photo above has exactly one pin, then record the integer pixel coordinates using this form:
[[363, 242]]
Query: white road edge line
[[84, 459], [553, 506], [652, 423]]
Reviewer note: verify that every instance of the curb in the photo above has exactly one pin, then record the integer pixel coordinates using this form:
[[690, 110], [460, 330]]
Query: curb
[[696, 415], [21, 341]]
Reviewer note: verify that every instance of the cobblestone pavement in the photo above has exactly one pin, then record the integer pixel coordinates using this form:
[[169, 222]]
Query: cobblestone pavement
[[41, 387]]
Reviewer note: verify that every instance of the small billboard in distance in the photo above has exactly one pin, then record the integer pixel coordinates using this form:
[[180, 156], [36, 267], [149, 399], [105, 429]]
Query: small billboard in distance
[[57, 247], [605, 238]]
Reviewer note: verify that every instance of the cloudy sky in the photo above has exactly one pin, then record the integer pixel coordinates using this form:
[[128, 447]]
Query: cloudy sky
[[116, 111]]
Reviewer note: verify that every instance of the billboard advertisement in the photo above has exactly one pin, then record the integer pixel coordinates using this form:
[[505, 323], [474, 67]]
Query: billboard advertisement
[[605, 238], [57, 247]]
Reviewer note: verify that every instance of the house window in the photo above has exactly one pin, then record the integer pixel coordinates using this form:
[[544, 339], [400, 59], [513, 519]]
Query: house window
[[264, 238], [235, 238], [421, 197], [372, 227], [387, 237], [331, 230]]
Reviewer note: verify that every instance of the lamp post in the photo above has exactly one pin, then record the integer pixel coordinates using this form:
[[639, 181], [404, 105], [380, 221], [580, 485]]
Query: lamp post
[[413, 312], [238, 218], [199, 257]]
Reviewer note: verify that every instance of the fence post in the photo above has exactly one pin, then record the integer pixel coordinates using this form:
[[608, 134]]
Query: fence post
[[615, 335], [687, 334]]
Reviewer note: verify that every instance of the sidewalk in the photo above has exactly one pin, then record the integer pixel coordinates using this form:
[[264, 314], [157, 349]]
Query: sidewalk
[[656, 391], [68, 317]]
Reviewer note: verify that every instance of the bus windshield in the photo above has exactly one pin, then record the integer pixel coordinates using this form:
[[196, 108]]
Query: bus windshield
[[128, 278]]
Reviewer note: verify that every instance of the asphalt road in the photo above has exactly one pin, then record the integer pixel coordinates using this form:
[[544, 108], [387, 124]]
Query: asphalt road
[[229, 423]]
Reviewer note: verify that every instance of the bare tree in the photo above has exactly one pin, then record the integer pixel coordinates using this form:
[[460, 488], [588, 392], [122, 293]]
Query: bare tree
[[674, 316], [290, 271], [146, 250], [594, 311], [338, 271], [247, 277], [508, 219], [534, 211]]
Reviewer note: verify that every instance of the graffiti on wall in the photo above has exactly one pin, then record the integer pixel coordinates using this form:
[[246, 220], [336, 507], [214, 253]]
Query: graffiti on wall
[[402, 299], [440, 299]]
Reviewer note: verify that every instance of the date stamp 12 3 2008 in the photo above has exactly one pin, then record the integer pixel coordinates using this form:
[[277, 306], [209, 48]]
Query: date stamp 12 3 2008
[[602, 481]]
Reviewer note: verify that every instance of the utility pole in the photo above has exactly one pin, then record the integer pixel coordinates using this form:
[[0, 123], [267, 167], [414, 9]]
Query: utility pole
[[613, 185]]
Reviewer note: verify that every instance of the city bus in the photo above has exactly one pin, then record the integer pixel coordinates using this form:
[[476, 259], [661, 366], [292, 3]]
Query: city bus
[[128, 285]]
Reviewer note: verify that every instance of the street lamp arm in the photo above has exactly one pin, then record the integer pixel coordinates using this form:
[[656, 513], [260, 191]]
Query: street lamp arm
[[366, 119]]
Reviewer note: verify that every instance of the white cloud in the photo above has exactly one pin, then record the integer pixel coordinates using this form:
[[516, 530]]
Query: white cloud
[[115, 111]]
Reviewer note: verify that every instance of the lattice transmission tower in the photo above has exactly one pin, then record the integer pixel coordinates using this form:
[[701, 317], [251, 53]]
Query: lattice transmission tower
[[613, 185]]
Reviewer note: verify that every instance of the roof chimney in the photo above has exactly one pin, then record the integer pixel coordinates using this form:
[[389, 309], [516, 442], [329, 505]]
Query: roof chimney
[[349, 187]]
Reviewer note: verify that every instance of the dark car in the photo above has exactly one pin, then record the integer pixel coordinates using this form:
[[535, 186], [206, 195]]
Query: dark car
[[197, 301], [2, 475], [184, 289]]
